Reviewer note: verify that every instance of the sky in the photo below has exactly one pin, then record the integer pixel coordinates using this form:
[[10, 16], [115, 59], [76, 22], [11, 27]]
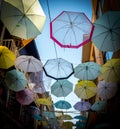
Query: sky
[[49, 50]]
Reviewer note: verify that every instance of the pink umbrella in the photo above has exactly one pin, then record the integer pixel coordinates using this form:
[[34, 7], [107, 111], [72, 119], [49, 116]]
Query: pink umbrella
[[71, 29], [25, 97]]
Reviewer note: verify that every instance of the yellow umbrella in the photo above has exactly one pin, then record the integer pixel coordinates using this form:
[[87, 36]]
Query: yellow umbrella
[[44, 101], [67, 125], [7, 57], [65, 117], [111, 70], [85, 89]]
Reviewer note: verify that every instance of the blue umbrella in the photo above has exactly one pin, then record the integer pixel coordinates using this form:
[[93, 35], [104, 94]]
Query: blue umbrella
[[106, 35], [15, 80], [62, 104], [61, 88], [80, 117], [87, 71], [99, 105]]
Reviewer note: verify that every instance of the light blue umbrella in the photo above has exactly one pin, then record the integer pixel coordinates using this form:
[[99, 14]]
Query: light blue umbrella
[[15, 80], [58, 68], [106, 34], [49, 114], [37, 117], [61, 88], [62, 104], [80, 117], [87, 71], [99, 105]]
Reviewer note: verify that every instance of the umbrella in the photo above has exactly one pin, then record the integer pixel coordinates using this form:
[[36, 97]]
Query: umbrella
[[58, 68], [40, 80], [106, 90], [22, 18], [37, 88], [106, 35], [28, 63], [25, 97], [48, 114], [67, 125], [65, 117], [71, 29], [87, 71], [62, 104], [43, 101], [7, 58], [80, 125], [61, 88], [15, 80], [34, 110], [82, 106], [99, 105], [37, 117], [80, 117], [85, 89], [111, 70]]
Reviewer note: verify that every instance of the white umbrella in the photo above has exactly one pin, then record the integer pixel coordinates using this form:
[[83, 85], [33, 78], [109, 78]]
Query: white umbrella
[[23, 18], [28, 63]]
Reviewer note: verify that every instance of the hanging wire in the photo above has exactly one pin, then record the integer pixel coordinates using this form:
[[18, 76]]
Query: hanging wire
[[50, 21]]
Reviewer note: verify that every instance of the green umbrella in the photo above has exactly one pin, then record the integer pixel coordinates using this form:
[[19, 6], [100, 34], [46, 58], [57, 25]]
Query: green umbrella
[[106, 35], [87, 71], [99, 105], [61, 88], [15, 80]]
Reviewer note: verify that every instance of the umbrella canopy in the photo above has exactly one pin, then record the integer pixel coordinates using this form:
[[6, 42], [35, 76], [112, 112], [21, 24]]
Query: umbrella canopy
[[40, 81], [80, 117], [15, 80], [25, 97], [106, 35], [71, 29], [28, 63], [37, 88], [99, 105], [67, 125], [22, 18], [80, 125], [37, 117], [7, 58], [111, 70], [58, 68], [85, 89], [82, 106], [106, 90], [48, 114], [44, 101], [87, 71], [34, 110], [61, 88], [65, 117], [62, 104]]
